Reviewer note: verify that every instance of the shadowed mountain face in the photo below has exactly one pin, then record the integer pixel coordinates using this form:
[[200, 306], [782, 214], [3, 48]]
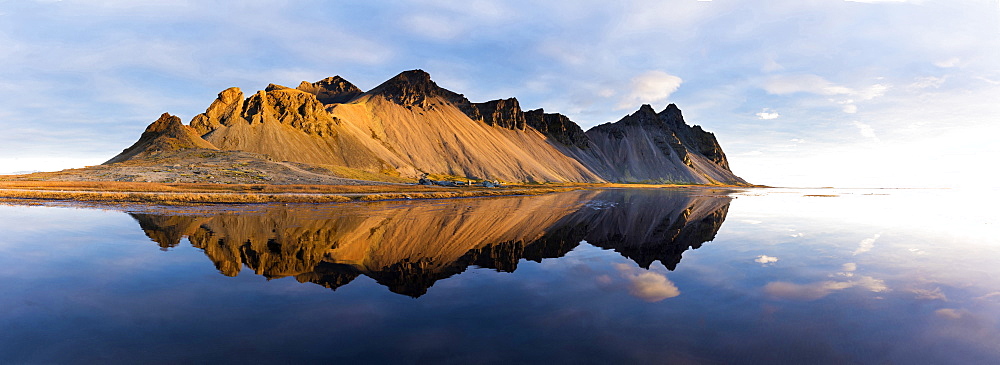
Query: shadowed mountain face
[[408, 246], [409, 125]]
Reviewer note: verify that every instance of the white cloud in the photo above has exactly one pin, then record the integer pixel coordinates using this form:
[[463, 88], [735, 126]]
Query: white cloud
[[790, 84], [872, 92], [813, 291], [813, 84], [866, 131], [948, 63], [650, 87], [647, 285], [817, 290], [768, 114], [765, 259], [929, 294], [927, 82], [988, 80], [876, 1], [951, 313], [866, 244]]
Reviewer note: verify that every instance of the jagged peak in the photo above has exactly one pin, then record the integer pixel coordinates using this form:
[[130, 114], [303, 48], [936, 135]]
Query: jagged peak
[[415, 75], [273, 87], [412, 80], [334, 80], [331, 90], [330, 83], [412, 88], [506, 103], [644, 116], [165, 122], [166, 134], [230, 95], [672, 115]]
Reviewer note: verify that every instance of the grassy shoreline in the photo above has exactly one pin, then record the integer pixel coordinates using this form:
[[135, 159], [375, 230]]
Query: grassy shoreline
[[127, 193]]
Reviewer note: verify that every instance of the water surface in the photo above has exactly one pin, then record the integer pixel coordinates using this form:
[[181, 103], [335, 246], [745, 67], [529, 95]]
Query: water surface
[[652, 275]]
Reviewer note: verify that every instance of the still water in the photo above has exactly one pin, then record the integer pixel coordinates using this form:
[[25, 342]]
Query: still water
[[611, 276]]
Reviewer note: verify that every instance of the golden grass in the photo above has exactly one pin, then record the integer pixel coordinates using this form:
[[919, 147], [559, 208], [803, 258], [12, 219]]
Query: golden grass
[[168, 198], [115, 186], [112, 192], [349, 173], [193, 194]]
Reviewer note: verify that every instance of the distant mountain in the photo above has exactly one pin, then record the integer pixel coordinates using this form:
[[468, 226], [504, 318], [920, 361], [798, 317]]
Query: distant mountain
[[409, 126]]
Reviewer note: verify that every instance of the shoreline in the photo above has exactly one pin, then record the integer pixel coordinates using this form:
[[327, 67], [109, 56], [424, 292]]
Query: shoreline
[[187, 194]]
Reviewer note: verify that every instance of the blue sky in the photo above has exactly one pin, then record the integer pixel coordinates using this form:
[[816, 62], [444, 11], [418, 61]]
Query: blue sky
[[800, 93]]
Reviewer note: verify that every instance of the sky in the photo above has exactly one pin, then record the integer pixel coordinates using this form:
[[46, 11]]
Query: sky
[[800, 93]]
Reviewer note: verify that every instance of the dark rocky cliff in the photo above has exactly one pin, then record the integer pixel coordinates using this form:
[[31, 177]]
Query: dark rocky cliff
[[557, 127], [504, 113]]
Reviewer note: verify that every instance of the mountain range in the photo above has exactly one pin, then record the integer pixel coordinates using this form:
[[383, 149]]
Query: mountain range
[[409, 126]]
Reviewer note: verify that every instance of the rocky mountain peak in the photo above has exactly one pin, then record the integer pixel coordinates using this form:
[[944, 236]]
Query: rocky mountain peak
[[288, 106], [273, 87], [694, 137], [230, 95], [413, 88], [331, 90], [644, 116], [166, 134], [505, 113], [558, 127], [225, 109], [671, 115], [164, 123]]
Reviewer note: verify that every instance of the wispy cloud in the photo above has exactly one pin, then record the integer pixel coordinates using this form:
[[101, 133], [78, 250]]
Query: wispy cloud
[[927, 82], [948, 63], [817, 290], [803, 83], [877, 1], [866, 244], [768, 114], [650, 87]]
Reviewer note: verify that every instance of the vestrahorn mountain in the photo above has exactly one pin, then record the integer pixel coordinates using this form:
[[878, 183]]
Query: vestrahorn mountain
[[409, 126]]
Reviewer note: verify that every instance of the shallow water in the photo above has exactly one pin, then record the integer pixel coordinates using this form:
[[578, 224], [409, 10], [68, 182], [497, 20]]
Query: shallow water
[[692, 276]]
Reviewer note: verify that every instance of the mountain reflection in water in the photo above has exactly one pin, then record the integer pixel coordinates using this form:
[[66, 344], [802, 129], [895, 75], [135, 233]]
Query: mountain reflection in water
[[408, 246]]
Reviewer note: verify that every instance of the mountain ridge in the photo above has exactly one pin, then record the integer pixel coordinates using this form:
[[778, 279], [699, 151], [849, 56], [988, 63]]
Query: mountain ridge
[[409, 126]]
